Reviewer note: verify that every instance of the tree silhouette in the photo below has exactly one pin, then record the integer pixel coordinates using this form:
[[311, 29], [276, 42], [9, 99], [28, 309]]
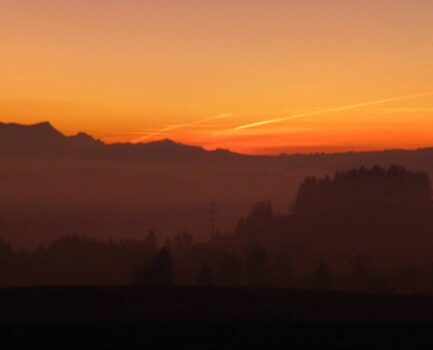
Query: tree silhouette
[[205, 276], [360, 266], [161, 271], [258, 220], [321, 277], [372, 210], [407, 276], [6, 261], [284, 268], [393, 190], [151, 243], [256, 260], [182, 243], [231, 267]]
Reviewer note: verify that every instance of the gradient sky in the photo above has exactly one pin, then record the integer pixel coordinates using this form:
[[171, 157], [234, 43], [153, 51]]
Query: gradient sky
[[200, 71]]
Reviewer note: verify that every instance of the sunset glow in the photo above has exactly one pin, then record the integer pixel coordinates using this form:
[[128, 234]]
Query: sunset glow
[[297, 76]]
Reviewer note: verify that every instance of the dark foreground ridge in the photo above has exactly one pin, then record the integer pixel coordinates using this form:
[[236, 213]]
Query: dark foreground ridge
[[129, 305], [211, 318]]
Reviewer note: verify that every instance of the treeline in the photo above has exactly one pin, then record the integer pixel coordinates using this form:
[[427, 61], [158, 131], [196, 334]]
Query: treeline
[[363, 229], [75, 260]]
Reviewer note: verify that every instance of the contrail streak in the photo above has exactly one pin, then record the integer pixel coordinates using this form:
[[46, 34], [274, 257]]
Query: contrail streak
[[178, 126], [329, 110]]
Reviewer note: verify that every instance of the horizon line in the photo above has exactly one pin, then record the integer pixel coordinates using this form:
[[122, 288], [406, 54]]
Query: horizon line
[[273, 154]]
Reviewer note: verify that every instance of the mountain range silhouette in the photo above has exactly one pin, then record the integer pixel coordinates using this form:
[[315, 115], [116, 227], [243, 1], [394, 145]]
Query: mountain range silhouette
[[43, 139], [52, 184]]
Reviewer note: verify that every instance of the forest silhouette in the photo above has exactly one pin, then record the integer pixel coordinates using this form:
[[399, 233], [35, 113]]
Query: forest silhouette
[[365, 229]]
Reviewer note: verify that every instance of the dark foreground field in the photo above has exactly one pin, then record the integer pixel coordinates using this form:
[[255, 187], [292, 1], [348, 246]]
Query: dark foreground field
[[215, 317], [191, 304]]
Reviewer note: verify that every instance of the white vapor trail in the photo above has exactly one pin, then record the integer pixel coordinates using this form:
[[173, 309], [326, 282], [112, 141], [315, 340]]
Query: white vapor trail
[[324, 111], [178, 126]]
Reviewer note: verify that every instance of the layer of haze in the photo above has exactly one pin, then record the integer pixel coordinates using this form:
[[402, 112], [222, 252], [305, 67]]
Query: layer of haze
[[197, 70]]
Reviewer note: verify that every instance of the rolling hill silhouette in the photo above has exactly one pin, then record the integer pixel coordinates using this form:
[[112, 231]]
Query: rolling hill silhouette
[[52, 184]]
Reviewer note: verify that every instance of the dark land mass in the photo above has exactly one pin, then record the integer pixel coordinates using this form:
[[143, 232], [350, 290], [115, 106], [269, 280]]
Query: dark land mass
[[111, 305], [52, 184], [366, 229], [113, 317], [83, 210]]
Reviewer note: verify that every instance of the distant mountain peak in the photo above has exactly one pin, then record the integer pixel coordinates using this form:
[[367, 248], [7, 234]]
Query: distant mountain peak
[[165, 142], [42, 128], [169, 144], [82, 136], [43, 125], [41, 138]]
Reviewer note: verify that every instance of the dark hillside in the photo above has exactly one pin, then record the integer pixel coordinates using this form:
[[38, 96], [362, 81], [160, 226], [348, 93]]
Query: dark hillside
[[81, 305]]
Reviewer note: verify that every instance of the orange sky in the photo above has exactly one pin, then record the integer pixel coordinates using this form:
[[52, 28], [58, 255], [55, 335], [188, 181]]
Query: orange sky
[[198, 71]]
